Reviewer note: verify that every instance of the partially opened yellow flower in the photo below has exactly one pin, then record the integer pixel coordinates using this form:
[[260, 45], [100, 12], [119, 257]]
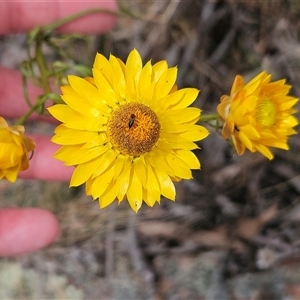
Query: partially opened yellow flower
[[14, 149], [128, 131], [258, 115]]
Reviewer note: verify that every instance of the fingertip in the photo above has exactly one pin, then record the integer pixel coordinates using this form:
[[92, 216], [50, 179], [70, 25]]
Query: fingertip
[[26, 229], [42, 165], [12, 102], [92, 23], [20, 16]]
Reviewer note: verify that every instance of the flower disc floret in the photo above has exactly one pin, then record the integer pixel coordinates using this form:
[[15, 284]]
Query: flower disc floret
[[133, 129], [266, 113], [258, 115], [128, 131]]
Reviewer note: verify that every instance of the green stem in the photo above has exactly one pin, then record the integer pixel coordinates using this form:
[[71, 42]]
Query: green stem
[[209, 117], [40, 59], [49, 28], [32, 109]]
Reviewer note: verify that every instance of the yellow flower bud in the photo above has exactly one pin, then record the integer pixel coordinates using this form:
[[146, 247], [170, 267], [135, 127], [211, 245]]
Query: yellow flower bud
[[14, 149]]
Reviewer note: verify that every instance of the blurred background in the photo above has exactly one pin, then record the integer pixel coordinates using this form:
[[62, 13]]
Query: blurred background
[[234, 230]]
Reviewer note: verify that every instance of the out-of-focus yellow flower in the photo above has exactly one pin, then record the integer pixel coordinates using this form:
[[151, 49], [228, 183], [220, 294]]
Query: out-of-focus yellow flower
[[128, 131], [14, 149], [258, 115]]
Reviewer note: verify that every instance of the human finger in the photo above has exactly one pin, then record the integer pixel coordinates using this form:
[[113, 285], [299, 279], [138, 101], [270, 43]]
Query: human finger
[[26, 229], [12, 102], [42, 165], [21, 16]]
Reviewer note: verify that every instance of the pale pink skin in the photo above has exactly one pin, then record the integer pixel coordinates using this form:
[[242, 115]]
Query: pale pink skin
[[30, 229], [23, 230]]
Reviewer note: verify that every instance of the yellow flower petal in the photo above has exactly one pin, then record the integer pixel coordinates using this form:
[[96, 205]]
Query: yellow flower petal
[[165, 83], [158, 69], [118, 78], [67, 136], [77, 155], [180, 99], [167, 187], [245, 140], [80, 86], [237, 85], [63, 113], [135, 192], [195, 133], [158, 161], [98, 185], [152, 188], [144, 84], [120, 163], [104, 162], [290, 102], [83, 172], [82, 107], [132, 70], [189, 158], [188, 115], [109, 95], [101, 63], [180, 168], [250, 132], [140, 170], [108, 196], [122, 182], [264, 151]]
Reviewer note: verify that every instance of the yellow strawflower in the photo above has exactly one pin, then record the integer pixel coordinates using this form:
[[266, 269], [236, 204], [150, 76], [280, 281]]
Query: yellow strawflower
[[14, 150], [128, 131], [258, 115]]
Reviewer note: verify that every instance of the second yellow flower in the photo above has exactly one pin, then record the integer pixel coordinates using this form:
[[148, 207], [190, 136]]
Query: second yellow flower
[[258, 115]]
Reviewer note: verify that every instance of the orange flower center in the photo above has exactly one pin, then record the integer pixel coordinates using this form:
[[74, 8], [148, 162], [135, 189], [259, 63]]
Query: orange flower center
[[133, 129], [266, 113]]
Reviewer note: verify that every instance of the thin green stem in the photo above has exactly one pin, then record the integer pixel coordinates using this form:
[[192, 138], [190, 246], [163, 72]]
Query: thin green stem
[[209, 117], [32, 109], [40, 59], [25, 90], [49, 28]]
